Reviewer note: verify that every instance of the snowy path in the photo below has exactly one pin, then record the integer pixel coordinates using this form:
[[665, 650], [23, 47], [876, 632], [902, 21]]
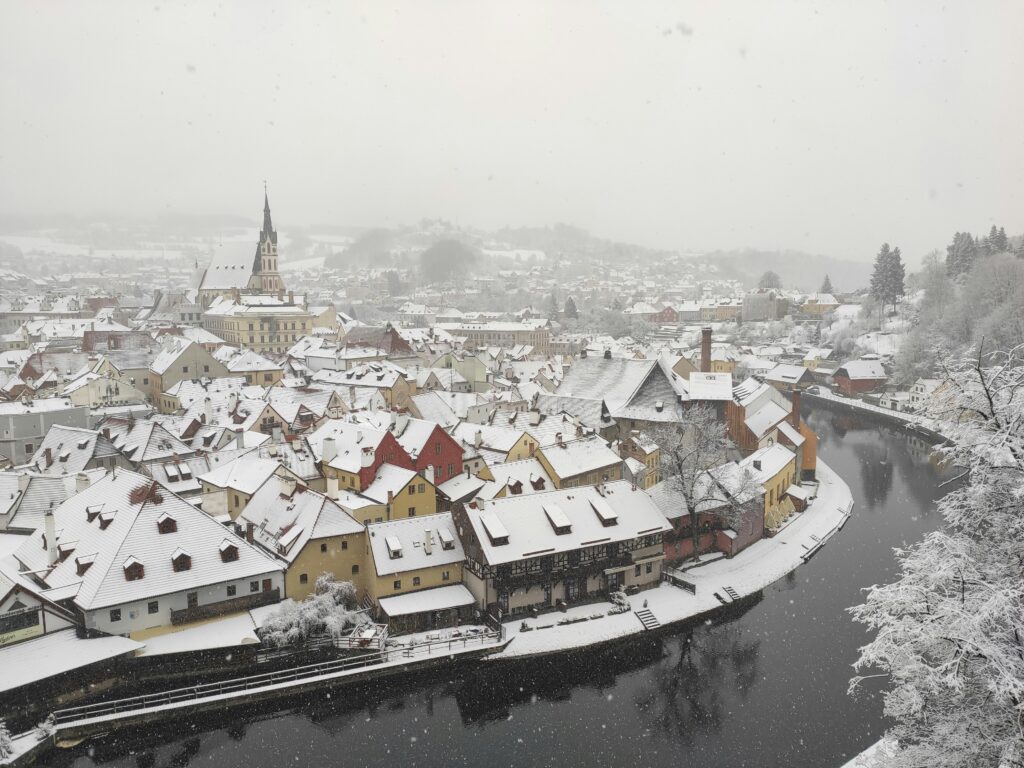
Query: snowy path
[[752, 570]]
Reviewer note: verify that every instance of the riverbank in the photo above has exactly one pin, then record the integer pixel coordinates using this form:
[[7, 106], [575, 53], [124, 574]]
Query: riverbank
[[718, 583], [912, 422]]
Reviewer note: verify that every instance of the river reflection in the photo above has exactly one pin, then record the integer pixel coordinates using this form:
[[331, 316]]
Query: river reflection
[[763, 686]]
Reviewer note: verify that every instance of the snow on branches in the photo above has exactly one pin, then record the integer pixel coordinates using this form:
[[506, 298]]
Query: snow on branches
[[330, 610], [950, 631]]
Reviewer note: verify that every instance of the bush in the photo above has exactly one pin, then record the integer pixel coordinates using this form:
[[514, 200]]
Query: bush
[[330, 610]]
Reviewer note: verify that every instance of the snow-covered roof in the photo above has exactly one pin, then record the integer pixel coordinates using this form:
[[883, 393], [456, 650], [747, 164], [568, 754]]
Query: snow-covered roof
[[764, 418], [578, 457], [121, 527], [426, 600], [413, 535], [861, 369], [526, 528], [710, 386], [247, 474]]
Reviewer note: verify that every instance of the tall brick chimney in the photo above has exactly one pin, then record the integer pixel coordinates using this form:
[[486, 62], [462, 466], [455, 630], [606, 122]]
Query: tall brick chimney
[[705, 350], [795, 413]]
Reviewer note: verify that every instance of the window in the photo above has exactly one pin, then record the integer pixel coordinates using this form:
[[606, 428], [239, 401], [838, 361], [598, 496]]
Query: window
[[29, 448], [423, 488], [303, 578], [323, 547], [184, 369], [193, 599], [206, 369], [145, 382], [254, 586], [344, 545], [231, 590], [415, 581], [636, 570], [236, 500], [355, 569], [412, 511], [445, 575], [115, 614], [153, 606], [649, 568], [397, 585]]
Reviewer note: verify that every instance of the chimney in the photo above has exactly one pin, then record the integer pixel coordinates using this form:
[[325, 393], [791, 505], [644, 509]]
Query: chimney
[[705, 350], [468, 475], [275, 433], [239, 438], [607, 354], [367, 457], [250, 529], [429, 474], [50, 529], [232, 402], [428, 542], [332, 487], [291, 297], [795, 413], [558, 439], [328, 450], [478, 439], [23, 480], [49, 456], [81, 482], [207, 411], [391, 497]]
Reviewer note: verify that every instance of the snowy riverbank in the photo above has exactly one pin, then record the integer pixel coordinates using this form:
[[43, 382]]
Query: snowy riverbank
[[757, 567]]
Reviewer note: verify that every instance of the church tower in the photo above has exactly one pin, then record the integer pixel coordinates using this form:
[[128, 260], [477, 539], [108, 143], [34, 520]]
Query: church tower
[[265, 277]]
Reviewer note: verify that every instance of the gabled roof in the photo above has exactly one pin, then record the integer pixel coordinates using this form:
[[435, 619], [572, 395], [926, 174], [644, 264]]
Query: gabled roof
[[411, 534], [578, 457], [246, 473], [530, 533], [131, 504]]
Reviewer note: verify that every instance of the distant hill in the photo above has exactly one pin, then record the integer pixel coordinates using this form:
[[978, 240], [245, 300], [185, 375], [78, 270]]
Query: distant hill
[[803, 271]]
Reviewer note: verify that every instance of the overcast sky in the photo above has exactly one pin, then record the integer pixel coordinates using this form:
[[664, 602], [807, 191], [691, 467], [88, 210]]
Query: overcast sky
[[826, 127]]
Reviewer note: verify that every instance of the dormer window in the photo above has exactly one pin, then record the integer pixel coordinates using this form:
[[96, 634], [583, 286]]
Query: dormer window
[[558, 520], [394, 547], [166, 524], [65, 550], [181, 560], [228, 551], [83, 563], [446, 537], [106, 518], [91, 513], [133, 569]]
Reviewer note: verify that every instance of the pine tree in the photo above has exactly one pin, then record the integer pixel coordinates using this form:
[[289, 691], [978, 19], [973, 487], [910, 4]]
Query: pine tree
[[826, 285], [998, 241], [570, 308], [552, 307], [960, 254], [897, 277], [879, 275]]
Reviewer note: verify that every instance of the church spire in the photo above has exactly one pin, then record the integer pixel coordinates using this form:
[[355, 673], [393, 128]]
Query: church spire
[[267, 226]]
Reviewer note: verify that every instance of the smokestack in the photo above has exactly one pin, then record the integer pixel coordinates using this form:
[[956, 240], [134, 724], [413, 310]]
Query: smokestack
[[332, 487], [705, 350], [50, 529], [329, 450], [49, 456], [428, 542], [428, 473], [367, 457], [795, 413]]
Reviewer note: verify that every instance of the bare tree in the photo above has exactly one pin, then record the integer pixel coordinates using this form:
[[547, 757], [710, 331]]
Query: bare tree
[[695, 462]]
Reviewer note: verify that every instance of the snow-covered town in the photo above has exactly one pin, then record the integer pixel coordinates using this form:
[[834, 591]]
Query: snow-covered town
[[288, 472]]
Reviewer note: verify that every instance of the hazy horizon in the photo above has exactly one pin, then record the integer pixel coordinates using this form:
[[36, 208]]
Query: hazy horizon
[[690, 127]]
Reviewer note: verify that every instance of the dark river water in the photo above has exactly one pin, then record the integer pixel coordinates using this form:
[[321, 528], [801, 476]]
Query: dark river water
[[765, 686]]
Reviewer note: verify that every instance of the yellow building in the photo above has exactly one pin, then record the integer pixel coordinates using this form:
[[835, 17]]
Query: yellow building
[[412, 555], [774, 468], [264, 323], [311, 533], [405, 492], [642, 448], [580, 462], [226, 491]]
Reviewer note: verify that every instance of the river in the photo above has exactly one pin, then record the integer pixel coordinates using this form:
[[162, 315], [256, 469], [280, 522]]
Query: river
[[764, 686]]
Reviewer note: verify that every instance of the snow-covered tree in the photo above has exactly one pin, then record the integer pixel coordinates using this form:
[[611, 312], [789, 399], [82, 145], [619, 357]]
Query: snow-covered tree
[[888, 277], [570, 308], [770, 281], [330, 610], [695, 463], [47, 728], [826, 285], [6, 743], [950, 630], [960, 254]]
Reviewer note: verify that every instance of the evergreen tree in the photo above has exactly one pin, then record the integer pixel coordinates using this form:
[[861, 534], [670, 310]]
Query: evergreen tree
[[960, 254], [570, 308], [879, 274], [826, 286], [769, 281], [552, 308], [888, 277], [998, 241], [897, 277]]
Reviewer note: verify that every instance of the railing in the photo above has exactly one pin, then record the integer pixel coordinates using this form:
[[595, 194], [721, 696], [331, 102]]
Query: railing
[[206, 691], [233, 605], [673, 576]]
